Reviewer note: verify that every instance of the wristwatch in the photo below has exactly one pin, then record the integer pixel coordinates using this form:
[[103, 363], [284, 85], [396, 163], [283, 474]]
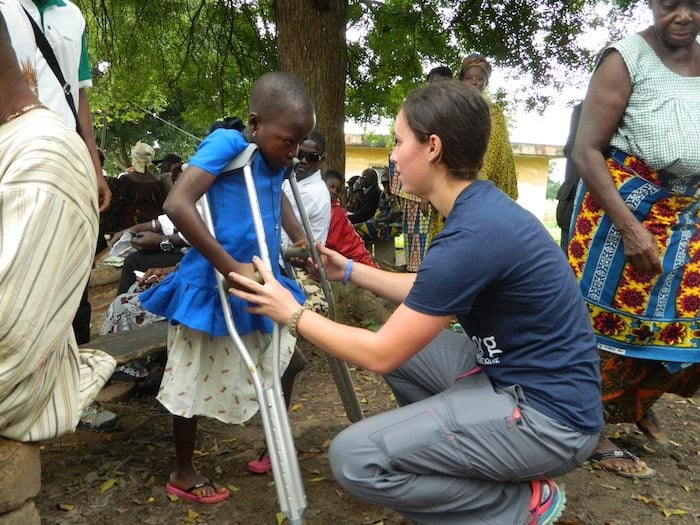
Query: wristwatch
[[166, 245]]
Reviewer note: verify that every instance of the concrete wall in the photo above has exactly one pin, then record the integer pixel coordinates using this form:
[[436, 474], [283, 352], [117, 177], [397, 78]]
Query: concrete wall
[[532, 183]]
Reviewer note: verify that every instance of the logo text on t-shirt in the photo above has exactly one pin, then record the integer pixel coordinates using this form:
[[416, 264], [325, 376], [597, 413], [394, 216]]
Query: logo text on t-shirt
[[487, 345]]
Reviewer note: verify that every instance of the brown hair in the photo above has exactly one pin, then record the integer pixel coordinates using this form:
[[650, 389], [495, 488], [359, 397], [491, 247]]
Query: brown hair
[[459, 115]]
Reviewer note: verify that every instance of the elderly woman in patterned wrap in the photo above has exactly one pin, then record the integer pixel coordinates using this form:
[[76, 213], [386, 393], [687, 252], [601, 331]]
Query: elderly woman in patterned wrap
[[635, 243], [499, 165]]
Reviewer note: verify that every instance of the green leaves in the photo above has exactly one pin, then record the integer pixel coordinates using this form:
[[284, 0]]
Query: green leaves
[[194, 61]]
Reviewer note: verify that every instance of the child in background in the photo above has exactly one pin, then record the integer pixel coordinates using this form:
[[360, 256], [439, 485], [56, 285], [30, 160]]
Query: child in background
[[204, 374], [342, 236]]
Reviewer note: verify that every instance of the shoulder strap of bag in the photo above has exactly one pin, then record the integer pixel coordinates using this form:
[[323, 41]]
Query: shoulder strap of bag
[[50, 57]]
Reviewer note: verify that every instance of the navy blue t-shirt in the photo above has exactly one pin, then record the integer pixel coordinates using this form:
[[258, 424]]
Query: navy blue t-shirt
[[496, 268]]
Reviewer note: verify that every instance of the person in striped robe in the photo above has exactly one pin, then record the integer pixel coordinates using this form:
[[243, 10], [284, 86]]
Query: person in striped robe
[[48, 227]]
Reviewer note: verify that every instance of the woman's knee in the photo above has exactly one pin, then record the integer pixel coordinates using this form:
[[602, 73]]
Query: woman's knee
[[350, 457]]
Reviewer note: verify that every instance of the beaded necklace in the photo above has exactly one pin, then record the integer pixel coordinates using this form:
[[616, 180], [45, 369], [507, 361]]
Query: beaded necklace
[[22, 111]]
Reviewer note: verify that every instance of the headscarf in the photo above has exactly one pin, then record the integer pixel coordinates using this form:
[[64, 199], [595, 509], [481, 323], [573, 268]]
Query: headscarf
[[476, 60], [141, 156]]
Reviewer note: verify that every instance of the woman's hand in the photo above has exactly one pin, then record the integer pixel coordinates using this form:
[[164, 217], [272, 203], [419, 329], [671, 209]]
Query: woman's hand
[[147, 242], [641, 249], [270, 298], [333, 264]]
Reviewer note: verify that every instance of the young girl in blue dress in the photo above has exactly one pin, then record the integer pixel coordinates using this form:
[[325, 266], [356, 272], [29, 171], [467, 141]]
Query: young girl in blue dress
[[204, 374]]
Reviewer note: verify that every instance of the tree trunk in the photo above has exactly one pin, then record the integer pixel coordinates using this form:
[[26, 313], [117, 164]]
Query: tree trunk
[[311, 44]]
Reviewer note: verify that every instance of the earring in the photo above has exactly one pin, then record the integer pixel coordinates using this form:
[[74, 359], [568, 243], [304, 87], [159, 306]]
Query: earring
[[255, 133]]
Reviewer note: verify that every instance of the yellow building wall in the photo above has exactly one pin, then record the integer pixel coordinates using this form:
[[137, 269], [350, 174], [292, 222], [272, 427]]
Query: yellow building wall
[[532, 173], [359, 158]]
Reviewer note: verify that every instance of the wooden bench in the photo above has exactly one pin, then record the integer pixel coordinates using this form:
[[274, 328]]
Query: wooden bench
[[146, 340], [133, 344]]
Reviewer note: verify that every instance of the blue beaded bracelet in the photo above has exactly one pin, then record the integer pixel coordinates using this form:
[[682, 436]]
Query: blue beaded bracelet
[[348, 270]]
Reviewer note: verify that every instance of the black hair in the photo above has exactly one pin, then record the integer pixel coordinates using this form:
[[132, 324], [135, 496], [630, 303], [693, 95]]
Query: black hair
[[370, 174], [459, 116], [439, 73], [170, 157], [319, 139], [228, 123], [275, 93], [333, 174]]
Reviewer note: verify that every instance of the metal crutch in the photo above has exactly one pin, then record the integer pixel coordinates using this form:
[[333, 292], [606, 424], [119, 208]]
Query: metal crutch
[[339, 369], [273, 411]]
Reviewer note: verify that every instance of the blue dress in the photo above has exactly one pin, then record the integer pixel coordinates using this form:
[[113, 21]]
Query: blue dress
[[189, 295]]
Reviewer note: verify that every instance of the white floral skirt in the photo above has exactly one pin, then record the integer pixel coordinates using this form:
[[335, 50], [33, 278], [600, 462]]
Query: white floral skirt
[[205, 375]]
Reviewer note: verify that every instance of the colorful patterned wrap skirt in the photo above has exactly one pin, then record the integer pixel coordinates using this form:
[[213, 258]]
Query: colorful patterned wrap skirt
[[642, 322]]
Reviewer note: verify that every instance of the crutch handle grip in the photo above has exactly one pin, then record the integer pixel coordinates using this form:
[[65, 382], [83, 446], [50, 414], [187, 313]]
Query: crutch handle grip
[[295, 251]]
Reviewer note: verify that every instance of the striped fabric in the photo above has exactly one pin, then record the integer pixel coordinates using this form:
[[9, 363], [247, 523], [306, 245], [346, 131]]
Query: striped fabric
[[48, 228]]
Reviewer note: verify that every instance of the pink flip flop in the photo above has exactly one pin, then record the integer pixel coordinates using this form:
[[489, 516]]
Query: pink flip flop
[[189, 496]]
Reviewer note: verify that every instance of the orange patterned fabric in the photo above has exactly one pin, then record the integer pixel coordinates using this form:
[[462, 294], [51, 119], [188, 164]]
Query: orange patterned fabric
[[635, 314], [632, 386]]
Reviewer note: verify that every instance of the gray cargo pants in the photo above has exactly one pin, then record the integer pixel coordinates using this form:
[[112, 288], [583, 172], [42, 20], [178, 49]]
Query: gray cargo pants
[[458, 451]]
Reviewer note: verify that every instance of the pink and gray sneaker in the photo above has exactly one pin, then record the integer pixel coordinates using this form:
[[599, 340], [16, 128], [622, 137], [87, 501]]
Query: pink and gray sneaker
[[547, 502]]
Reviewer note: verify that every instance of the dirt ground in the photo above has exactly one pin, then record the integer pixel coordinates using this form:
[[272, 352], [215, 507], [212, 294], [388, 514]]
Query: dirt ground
[[119, 477]]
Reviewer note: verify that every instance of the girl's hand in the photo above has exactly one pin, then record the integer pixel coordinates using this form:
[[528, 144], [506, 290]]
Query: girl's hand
[[297, 254], [641, 249], [270, 298], [245, 269]]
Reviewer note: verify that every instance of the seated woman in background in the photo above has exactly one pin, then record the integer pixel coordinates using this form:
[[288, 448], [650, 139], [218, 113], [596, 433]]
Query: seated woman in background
[[157, 243], [386, 223], [137, 194], [342, 236], [353, 193]]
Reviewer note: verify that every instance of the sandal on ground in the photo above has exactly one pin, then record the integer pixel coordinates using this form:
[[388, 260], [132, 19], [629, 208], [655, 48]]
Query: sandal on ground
[[652, 428], [262, 465], [547, 502], [190, 496], [619, 453]]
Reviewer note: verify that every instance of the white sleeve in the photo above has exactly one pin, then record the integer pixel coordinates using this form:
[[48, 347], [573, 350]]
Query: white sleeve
[[166, 225]]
